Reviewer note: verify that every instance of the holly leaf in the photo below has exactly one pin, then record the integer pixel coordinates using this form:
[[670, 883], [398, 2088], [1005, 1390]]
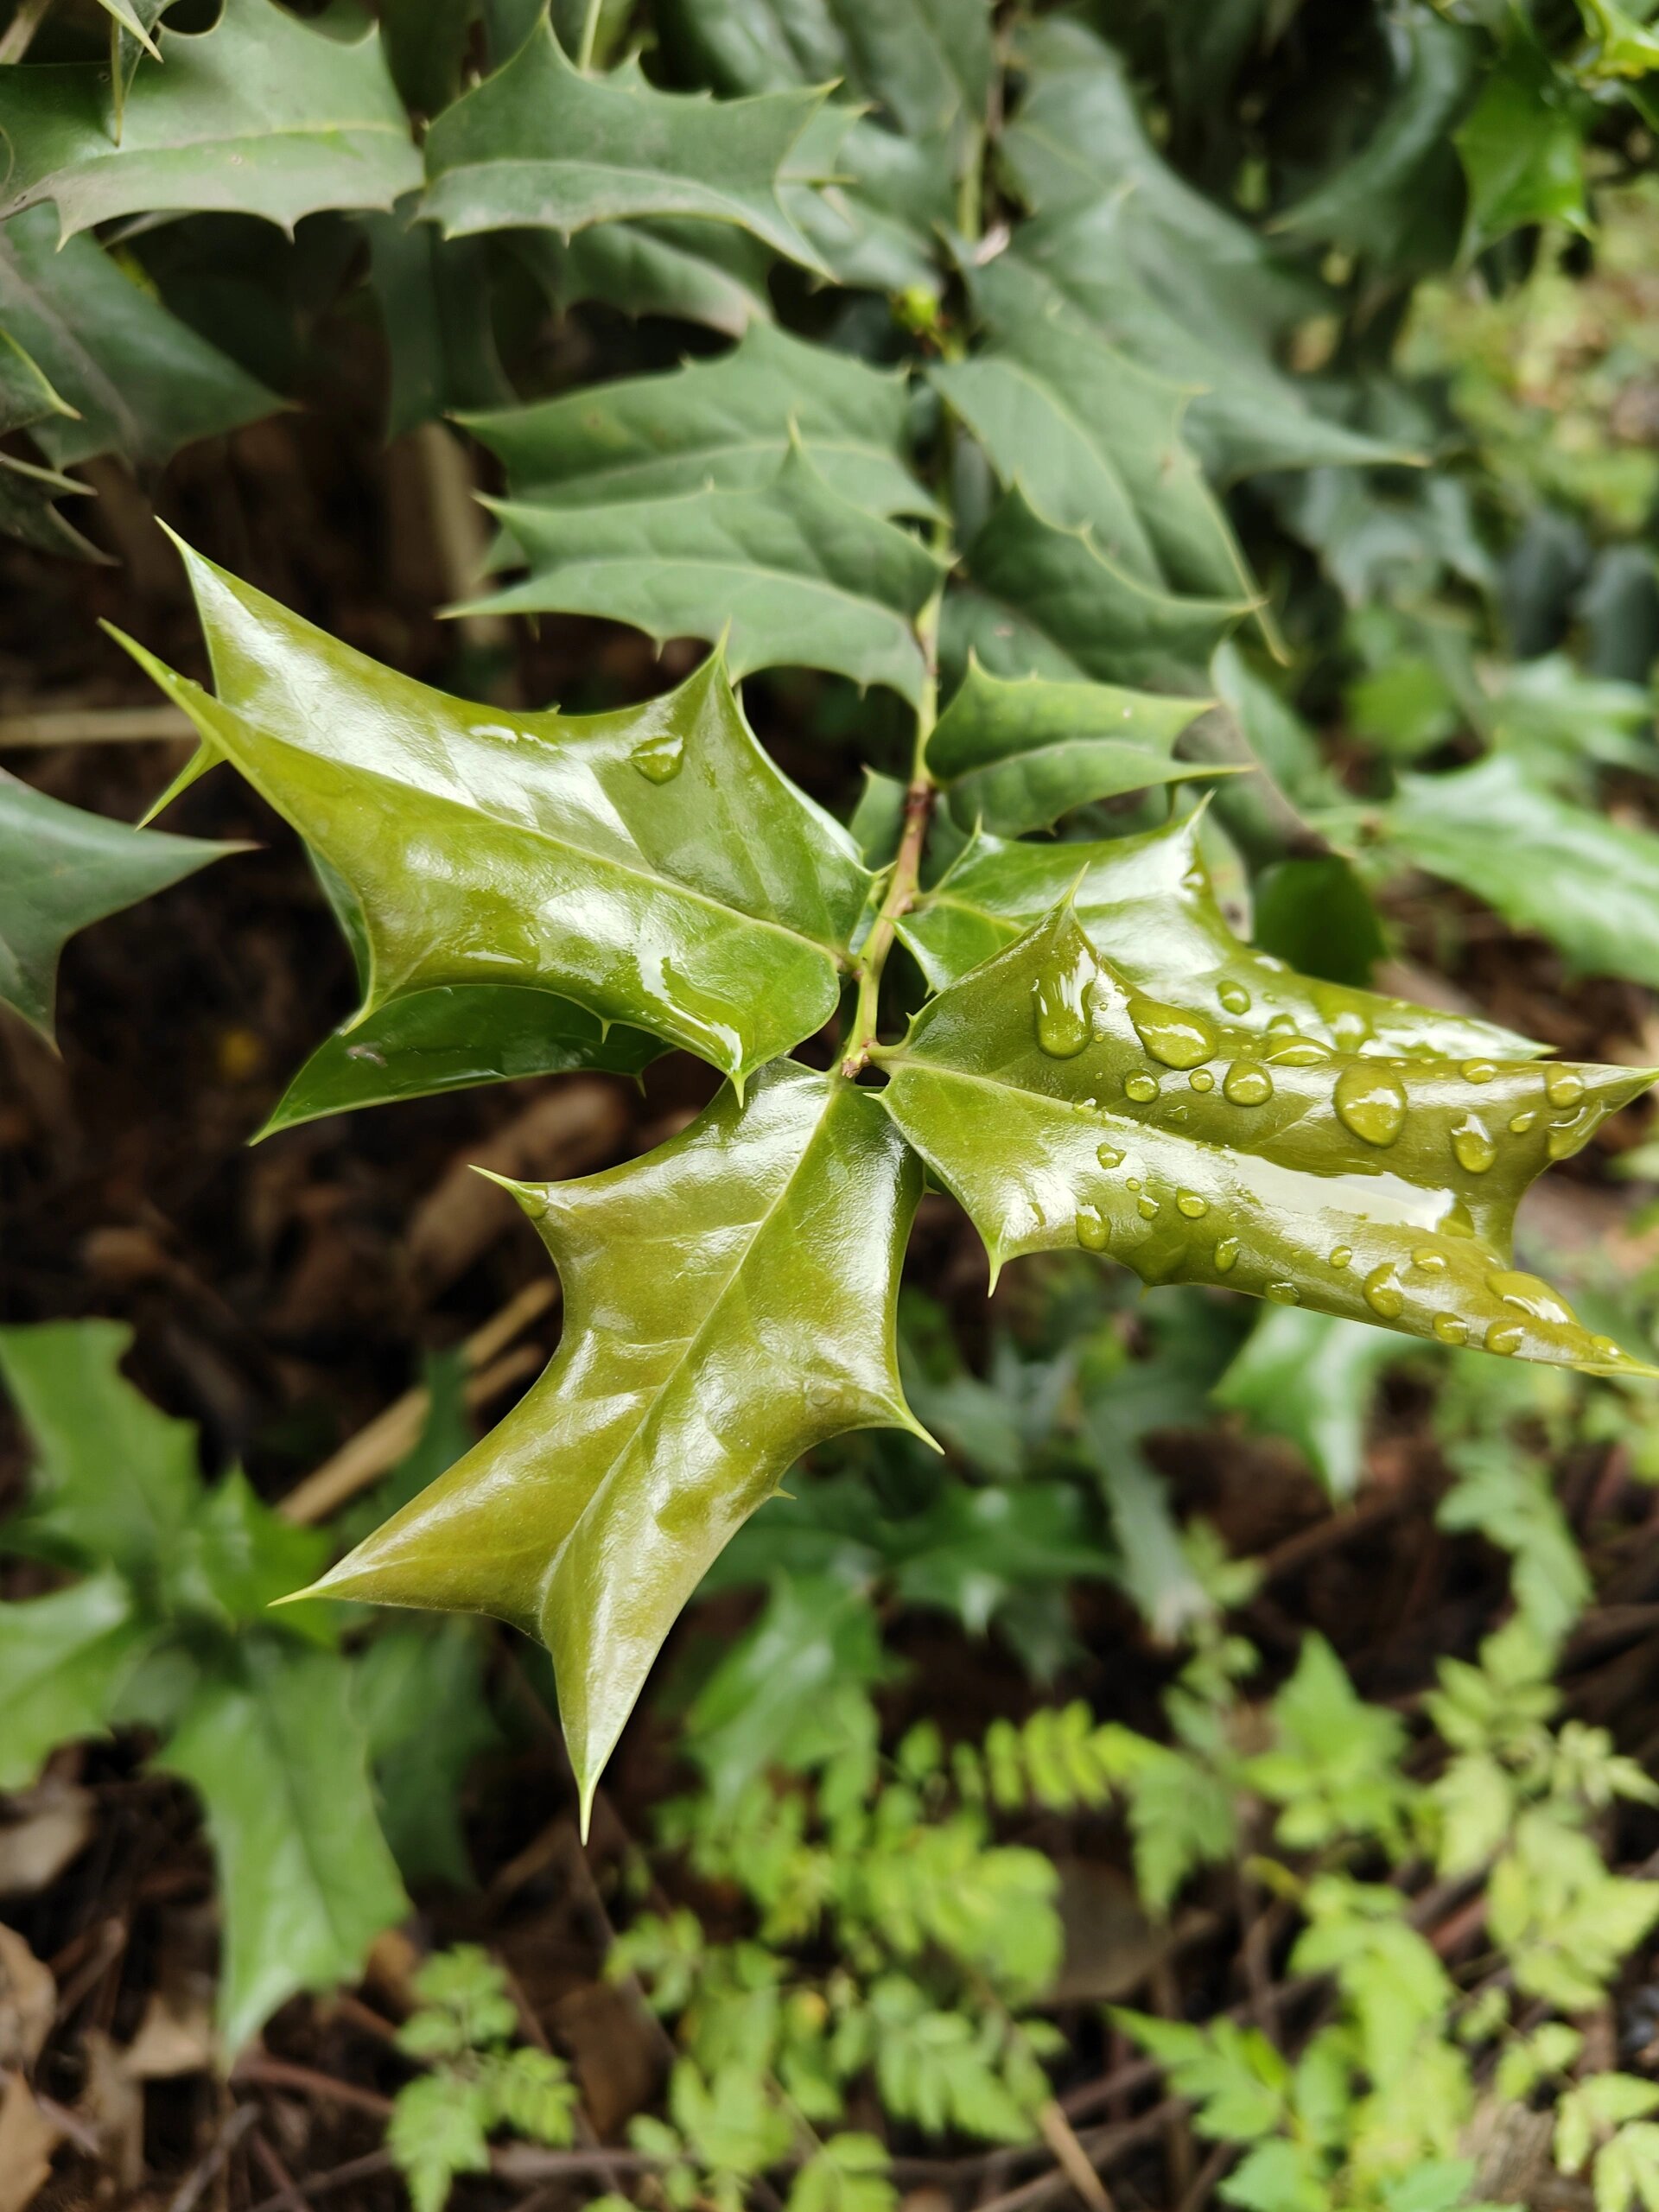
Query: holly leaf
[[1017, 755], [1311, 1378], [1062, 1107], [540, 144], [60, 870], [696, 272], [1047, 601], [278, 1756], [1148, 905], [62, 1661], [723, 425], [788, 572], [651, 864], [1522, 146], [436, 301], [1585, 882], [262, 115], [130, 378], [729, 1300], [27, 490]]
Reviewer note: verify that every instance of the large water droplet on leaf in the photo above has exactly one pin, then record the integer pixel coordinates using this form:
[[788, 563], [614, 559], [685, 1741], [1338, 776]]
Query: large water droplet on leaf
[[660, 759], [1479, 1070], [1505, 1337], [1201, 1079], [1284, 1294], [1563, 1086], [1226, 1255], [1564, 1137], [1530, 1296], [1191, 1204], [1341, 1255], [1382, 1292], [1520, 1123], [1234, 997], [1247, 1083], [1091, 1229], [1062, 1017], [1174, 1038], [1146, 1206], [1427, 1261], [1370, 1102], [1471, 1142], [1450, 1329], [1140, 1086], [1109, 1156]]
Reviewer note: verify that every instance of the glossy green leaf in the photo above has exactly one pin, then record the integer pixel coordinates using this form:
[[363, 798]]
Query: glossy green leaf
[[1311, 1378], [1047, 601], [139, 382], [1521, 147], [723, 425], [423, 1697], [278, 1756], [62, 1661], [651, 864], [790, 572], [1148, 905], [1590, 884], [60, 871], [1016, 756], [28, 492], [728, 1302], [262, 115], [1063, 1108], [539, 144]]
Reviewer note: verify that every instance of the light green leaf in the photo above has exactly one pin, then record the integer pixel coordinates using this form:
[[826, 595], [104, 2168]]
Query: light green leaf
[[1311, 1378], [238, 1557], [62, 1661], [1234, 2075], [262, 115], [1506, 1497], [788, 572], [697, 272], [729, 1301], [61, 870], [436, 2132], [1147, 903], [422, 1695], [1522, 146], [1058, 1105], [1590, 884], [651, 864], [140, 383], [1018, 755], [721, 425], [539, 144], [278, 1758], [1047, 601]]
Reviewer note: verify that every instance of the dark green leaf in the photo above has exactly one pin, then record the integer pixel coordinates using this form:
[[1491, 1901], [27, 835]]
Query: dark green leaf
[[729, 1301], [28, 491], [62, 1661], [436, 305], [1522, 146], [422, 1695], [1316, 916], [1063, 1109], [697, 272], [1311, 1378], [307, 1881]]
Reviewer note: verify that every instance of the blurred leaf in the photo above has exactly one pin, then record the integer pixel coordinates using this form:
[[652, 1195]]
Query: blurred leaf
[[238, 1557], [1310, 1377], [1561, 724], [1316, 916], [1506, 1497], [421, 1697], [976, 1548], [435, 298], [1522, 146], [62, 1660]]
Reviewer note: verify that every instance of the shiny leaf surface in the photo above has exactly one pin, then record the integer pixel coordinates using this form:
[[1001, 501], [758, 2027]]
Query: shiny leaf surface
[[1148, 905], [728, 1302], [1064, 1108], [61, 869], [650, 864], [262, 115], [1018, 755], [539, 144], [790, 572]]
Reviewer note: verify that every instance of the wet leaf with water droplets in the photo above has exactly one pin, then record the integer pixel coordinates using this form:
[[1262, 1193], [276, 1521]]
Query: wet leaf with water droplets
[[1356, 1187]]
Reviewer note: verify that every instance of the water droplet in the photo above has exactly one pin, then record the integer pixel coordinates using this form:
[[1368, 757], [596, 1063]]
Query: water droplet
[[1450, 1328], [1427, 1261], [1607, 1349], [1201, 1079], [1284, 1294], [1530, 1296], [1091, 1229], [1505, 1337], [1109, 1156], [1140, 1086], [1350, 1029], [1226, 1255], [1132, 1183], [1370, 1102], [1247, 1083], [1471, 1142], [1299, 1052], [1191, 1204], [1172, 1037], [1062, 1019], [659, 759], [1564, 1137], [1479, 1070], [1382, 1292], [1341, 1254], [1281, 1025], [1520, 1123], [1146, 1206], [1563, 1086], [1234, 997]]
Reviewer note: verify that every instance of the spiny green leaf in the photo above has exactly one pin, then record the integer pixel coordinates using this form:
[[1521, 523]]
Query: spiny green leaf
[[278, 1755], [1016, 756], [139, 382], [1522, 145], [538, 143], [729, 1301], [62, 1661], [1147, 903], [1045, 602], [262, 115], [61, 870], [710, 273], [1060, 1106], [875, 217], [790, 572], [1311, 1378], [651, 864], [721, 425], [28, 492], [1590, 884]]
